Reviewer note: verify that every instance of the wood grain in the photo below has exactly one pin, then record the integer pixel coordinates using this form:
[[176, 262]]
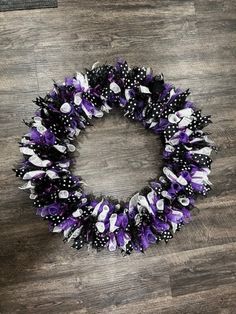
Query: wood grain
[[104, 148], [26, 4], [193, 44]]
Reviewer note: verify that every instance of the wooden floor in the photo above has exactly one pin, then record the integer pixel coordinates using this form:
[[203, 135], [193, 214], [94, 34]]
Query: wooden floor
[[194, 44]]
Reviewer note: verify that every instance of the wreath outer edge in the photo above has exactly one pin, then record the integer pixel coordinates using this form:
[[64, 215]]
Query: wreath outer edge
[[150, 216]]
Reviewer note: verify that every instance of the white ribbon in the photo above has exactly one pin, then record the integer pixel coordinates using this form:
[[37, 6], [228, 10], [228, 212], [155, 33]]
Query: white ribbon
[[52, 174], [27, 185], [152, 125], [160, 204], [60, 148], [144, 89], [33, 196], [151, 195], [183, 201], [203, 151], [187, 112], [77, 213], [112, 220], [71, 147], [25, 141], [126, 241], [201, 177], [96, 208], [115, 88], [127, 94], [100, 226], [166, 195], [137, 219], [64, 164], [169, 148], [177, 213], [172, 118], [65, 108], [98, 113], [83, 80], [31, 174], [174, 226], [144, 203], [95, 65], [63, 194], [133, 202], [172, 177], [172, 92], [169, 174], [27, 151], [75, 234], [112, 244], [184, 122], [105, 107], [77, 99], [40, 128], [35, 160], [102, 216]]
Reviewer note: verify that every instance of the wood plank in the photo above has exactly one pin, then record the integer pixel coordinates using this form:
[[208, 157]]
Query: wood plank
[[18, 71], [26, 5]]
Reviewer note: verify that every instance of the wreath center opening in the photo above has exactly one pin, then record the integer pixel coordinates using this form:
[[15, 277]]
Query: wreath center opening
[[117, 157]]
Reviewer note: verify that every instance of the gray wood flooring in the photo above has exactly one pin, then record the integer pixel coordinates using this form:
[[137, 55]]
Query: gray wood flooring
[[194, 44]]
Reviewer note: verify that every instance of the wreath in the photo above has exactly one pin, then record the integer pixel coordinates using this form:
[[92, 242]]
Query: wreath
[[151, 215]]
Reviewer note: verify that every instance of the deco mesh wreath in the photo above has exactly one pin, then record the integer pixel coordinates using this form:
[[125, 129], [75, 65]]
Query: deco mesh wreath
[[152, 215]]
